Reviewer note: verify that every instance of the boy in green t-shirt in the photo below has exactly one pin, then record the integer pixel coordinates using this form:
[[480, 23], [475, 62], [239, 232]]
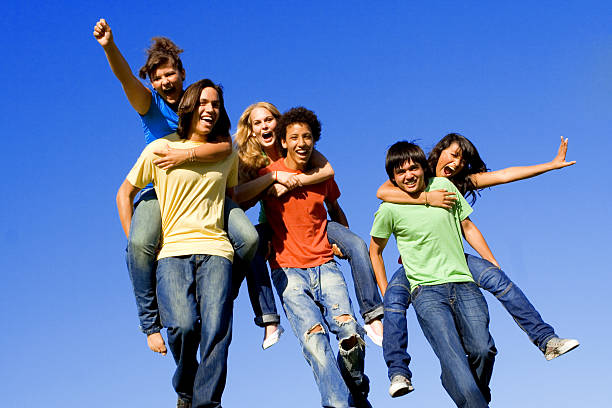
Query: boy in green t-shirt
[[450, 308]]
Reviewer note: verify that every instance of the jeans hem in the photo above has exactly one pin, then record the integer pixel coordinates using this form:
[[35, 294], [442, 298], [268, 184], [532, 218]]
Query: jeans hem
[[375, 313], [148, 332], [267, 319]]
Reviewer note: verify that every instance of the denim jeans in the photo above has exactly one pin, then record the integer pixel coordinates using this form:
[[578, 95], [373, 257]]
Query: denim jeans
[[317, 298], [258, 281], [455, 320], [356, 251], [195, 305], [494, 280], [395, 330], [143, 242]]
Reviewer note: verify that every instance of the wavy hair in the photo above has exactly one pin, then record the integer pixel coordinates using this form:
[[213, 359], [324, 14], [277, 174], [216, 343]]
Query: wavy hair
[[472, 164], [161, 51], [250, 153], [189, 105]]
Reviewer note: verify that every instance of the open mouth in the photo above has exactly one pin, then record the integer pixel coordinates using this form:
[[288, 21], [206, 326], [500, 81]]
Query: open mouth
[[411, 184], [267, 136], [207, 119], [303, 153], [448, 170]]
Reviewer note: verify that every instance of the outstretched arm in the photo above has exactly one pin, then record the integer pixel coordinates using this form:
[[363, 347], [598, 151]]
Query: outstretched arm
[[138, 94], [474, 237], [125, 200], [377, 246], [493, 178], [437, 198], [205, 153]]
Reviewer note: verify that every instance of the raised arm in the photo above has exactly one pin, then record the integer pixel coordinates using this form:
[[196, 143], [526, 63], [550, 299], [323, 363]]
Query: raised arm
[[437, 198], [206, 153], [125, 200], [336, 213], [138, 94], [377, 246], [493, 178], [474, 237]]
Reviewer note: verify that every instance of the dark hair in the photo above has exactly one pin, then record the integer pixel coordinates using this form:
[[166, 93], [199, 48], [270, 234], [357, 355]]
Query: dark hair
[[299, 115], [161, 51], [402, 152], [189, 104], [472, 163]]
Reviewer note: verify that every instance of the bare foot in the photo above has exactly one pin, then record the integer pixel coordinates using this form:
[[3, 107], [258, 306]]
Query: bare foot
[[377, 326], [156, 343]]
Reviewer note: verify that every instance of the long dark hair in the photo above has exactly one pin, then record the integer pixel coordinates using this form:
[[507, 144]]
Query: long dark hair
[[472, 164], [189, 104]]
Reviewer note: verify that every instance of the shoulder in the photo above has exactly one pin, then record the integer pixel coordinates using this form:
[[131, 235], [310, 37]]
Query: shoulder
[[442, 182], [274, 166]]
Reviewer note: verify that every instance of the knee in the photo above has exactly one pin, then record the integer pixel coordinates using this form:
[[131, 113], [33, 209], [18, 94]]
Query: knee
[[143, 242], [249, 244]]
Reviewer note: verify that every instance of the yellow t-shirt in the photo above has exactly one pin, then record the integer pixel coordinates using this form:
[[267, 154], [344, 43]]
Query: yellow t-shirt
[[191, 198]]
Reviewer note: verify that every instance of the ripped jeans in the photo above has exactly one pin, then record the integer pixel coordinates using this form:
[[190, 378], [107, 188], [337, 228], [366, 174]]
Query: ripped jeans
[[316, 301]]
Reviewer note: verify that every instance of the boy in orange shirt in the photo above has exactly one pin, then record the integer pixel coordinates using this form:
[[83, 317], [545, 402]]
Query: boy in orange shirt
[[307, 279]]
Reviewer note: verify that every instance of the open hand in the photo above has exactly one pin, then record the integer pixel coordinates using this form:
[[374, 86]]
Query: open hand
[[559, 160], [441, 198], [169, 157]]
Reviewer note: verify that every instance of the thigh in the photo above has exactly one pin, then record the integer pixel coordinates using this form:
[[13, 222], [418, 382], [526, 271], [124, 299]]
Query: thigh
[[335, 299], [472, 315], [293, 288], [240, 230], [213, 277], [176, 292], [397, 295], [146, 221]]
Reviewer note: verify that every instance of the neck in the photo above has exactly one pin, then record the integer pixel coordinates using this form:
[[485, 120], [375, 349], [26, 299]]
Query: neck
[[293, 165], [273, 153], [196, 137]]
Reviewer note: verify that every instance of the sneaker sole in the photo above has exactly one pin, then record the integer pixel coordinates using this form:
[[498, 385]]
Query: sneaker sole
[[569, 346]]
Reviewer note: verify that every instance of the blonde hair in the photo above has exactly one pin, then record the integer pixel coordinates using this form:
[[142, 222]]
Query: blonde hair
[[250, 154]]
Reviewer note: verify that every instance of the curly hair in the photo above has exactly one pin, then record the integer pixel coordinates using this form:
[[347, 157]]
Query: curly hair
[[250, 154], [472, 164], [403, 152], [161, 51], [299, 115], [189, 105]]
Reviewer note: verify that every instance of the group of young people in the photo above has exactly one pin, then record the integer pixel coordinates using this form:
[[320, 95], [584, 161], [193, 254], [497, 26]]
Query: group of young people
[[190, 245]]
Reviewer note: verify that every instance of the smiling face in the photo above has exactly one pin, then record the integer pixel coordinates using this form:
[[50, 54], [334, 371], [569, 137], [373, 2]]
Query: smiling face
[[263, 124], [207, 112], [410, 177], [168, 82], [299, 143], [450, 161]]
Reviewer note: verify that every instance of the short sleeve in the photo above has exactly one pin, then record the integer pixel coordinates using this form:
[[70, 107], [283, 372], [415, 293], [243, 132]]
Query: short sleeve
[[143, 171], [461, 207], [332, 192], [232, 177], [383, 222]]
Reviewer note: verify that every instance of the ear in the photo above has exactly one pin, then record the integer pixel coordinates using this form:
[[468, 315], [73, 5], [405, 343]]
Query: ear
[[284, 143]]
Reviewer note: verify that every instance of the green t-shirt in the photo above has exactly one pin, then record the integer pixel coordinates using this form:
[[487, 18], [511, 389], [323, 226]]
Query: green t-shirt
[[428, 238]]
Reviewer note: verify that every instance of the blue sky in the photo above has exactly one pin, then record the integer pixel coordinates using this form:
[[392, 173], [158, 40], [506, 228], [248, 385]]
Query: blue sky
[[512, 77]]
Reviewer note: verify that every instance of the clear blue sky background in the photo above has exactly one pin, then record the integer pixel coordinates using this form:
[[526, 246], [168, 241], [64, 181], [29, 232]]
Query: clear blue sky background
[[512, 77]]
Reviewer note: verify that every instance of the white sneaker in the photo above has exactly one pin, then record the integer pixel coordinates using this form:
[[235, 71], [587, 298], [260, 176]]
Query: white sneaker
[[376, 338], [273, 338], [400, 385], [556, 347]]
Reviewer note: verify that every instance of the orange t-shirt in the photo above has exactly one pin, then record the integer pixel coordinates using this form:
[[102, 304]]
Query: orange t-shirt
[[298, 219]]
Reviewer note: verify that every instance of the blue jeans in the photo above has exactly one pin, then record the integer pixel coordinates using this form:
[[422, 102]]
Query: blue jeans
[[316, 299], [494, 280], [356, 251], [143, 242], [395, 330], [195, 305], [455, 320], [258, 281]]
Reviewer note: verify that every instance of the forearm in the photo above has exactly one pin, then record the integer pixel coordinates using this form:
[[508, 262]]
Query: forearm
[[392, 194], [125, 207], [320, 171], [510, 174], [213, 152], [378, 264], [336, 213], [252, 189], [477, 241]]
